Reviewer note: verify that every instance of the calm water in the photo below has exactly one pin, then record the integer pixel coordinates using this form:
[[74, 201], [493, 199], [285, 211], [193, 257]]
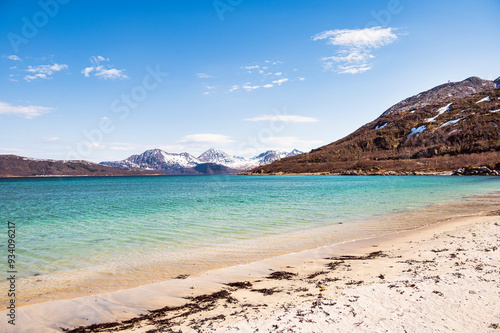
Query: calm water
[[70, 223]]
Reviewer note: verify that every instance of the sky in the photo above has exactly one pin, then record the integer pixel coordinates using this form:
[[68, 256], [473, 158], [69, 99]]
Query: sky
[[102, 80]]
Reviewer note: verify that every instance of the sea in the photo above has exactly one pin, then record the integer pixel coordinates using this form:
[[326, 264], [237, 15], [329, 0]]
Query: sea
[[116, 232]]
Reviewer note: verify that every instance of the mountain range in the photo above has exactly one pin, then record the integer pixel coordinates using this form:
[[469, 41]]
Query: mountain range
[[448, 127], [454, 126], [212, 161], [19, 166]]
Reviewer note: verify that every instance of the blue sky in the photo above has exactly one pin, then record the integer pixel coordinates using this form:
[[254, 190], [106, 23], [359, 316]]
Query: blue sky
[[102, 80]]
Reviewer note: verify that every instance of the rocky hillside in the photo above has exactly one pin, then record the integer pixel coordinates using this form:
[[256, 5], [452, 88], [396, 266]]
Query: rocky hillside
[[211, 162], [443, 129], [444, 93], [18, 166]]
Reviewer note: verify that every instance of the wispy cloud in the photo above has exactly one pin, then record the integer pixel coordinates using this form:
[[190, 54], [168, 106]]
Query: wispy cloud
[[284, 118], [263, 75], [354, 47], [209, 89], [280, 81], [43, 71], [125, 146], [101, 71], [211, 139], [204, 76], [250, 68], [29, 112], [12, 57], [10, 150], [248, 87], [288, 142], [50, 138]]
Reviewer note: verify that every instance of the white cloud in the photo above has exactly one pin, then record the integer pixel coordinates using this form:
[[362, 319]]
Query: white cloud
[[87, 70], [50, 138], [215, 139], [366, 38], [204, 76], [284, 118], [97, 145], [249, 68], [29, 112], [301, 78], [280, 81], [209, 89], [105, 72], [250, 88], [34, 77], [353, 69], [13, 57], [123, 146], [10, 150], [259, 76], [43, 71], [289, 142], [110, 74], [354, 47]]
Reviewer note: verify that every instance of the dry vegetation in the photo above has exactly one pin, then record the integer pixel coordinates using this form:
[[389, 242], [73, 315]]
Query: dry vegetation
[[472, 140], [18, 166]]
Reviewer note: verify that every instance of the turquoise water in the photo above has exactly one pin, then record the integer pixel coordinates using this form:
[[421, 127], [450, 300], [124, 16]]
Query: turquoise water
[[70, 223]]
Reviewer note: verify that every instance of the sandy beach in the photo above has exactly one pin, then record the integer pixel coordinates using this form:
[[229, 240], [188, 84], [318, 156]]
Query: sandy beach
[[441, 277]]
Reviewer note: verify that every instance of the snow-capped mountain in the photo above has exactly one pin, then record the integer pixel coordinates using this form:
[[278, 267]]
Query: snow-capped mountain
[[212, 161], [269, 157], [216, 156]]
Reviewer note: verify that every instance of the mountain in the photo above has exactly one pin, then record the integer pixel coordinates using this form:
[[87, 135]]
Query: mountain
[[444, 93], [157, 159], [212, 161], [19, 166], [216, 156], [445, 128], [271, 156]]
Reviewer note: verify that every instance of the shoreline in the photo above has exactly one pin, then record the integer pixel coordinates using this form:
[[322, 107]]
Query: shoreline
[[130, 303], [345, 173], [159, 267]]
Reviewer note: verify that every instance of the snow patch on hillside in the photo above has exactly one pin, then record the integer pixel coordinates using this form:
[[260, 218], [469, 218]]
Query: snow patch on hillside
[[440, 112], [417, 130], [486, 99]]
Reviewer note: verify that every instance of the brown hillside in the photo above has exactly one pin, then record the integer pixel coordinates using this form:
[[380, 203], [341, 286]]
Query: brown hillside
[[18, 166], [434, 131]]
